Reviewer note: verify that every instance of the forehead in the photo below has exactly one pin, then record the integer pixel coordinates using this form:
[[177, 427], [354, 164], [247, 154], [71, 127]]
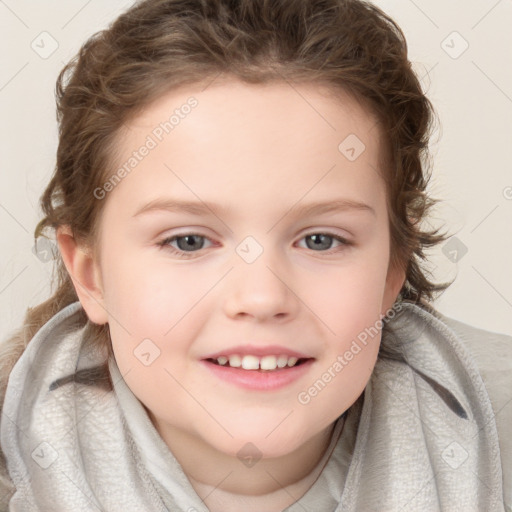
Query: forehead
[[279, 105], [252, 140]]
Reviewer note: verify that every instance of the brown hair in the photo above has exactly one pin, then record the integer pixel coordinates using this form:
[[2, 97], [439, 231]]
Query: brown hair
[[158, 45]]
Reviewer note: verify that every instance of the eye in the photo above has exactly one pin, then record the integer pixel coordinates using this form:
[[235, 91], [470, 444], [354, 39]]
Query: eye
[[187, 243], [320, 241], [190, 243]]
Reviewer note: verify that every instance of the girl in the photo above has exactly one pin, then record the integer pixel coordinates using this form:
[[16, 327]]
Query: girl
[[290, 360]]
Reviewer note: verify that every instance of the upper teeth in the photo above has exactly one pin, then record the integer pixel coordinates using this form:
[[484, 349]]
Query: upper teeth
[[255, 362]]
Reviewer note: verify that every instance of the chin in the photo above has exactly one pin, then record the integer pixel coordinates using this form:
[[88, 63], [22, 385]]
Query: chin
[[261, 441]]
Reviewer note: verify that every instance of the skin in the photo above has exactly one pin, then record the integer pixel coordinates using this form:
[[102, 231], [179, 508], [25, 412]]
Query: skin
[[258, 151]]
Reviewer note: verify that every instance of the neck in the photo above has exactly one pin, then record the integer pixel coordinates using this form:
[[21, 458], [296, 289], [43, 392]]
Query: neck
[[224, 483]]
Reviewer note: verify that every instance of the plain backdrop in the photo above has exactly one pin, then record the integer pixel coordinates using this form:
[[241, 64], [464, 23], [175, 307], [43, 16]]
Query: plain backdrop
[[461, 51]]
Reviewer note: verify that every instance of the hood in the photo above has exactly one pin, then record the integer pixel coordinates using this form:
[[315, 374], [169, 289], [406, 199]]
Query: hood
[[426, 434]]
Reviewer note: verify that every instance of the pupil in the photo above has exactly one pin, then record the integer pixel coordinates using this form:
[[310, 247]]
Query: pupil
[[189, 242], [323, 241]]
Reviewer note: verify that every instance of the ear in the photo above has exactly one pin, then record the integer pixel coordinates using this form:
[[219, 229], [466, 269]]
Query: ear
[[84, 273], [394, 282]]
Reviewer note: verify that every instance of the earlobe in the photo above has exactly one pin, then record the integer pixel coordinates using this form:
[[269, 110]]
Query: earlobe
[[84, 273]]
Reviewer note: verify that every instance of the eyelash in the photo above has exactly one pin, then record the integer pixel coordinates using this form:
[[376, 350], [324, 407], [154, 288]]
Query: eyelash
[[164, 244]]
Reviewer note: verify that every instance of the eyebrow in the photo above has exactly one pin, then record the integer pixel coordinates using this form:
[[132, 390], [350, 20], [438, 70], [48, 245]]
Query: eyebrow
[[203, 208]]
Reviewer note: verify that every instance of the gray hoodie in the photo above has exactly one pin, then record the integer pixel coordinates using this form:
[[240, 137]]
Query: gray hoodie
[[432, 430]]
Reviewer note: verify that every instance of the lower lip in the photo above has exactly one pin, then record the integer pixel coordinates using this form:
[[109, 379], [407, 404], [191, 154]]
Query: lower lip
[[259, 380]]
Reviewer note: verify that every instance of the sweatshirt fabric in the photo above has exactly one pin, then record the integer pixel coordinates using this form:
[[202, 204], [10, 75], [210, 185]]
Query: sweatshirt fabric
[[431, 431]]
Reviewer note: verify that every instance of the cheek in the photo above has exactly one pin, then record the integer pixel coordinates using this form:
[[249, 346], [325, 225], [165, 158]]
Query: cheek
[[349, 298], [349, 308], [337, 384], [153, 299], [153, 325], [146, 293], [350, 312]]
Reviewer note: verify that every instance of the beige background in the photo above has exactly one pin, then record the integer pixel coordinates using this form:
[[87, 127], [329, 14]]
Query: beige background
[[471, 89]]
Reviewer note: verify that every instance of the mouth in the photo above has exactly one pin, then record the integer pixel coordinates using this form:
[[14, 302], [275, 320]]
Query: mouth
[[270, 363], [259, 374]]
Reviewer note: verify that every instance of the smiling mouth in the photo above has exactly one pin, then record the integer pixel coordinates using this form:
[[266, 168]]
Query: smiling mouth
[[267, 373], [258, 364]]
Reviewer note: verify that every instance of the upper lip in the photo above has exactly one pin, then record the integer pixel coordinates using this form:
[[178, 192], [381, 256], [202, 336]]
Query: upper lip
[[260, 351]]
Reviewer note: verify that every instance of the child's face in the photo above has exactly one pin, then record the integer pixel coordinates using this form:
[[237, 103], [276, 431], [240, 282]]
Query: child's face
[[259, 153]]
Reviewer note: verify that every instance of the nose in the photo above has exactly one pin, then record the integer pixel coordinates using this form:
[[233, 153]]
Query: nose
[[261, 290]]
